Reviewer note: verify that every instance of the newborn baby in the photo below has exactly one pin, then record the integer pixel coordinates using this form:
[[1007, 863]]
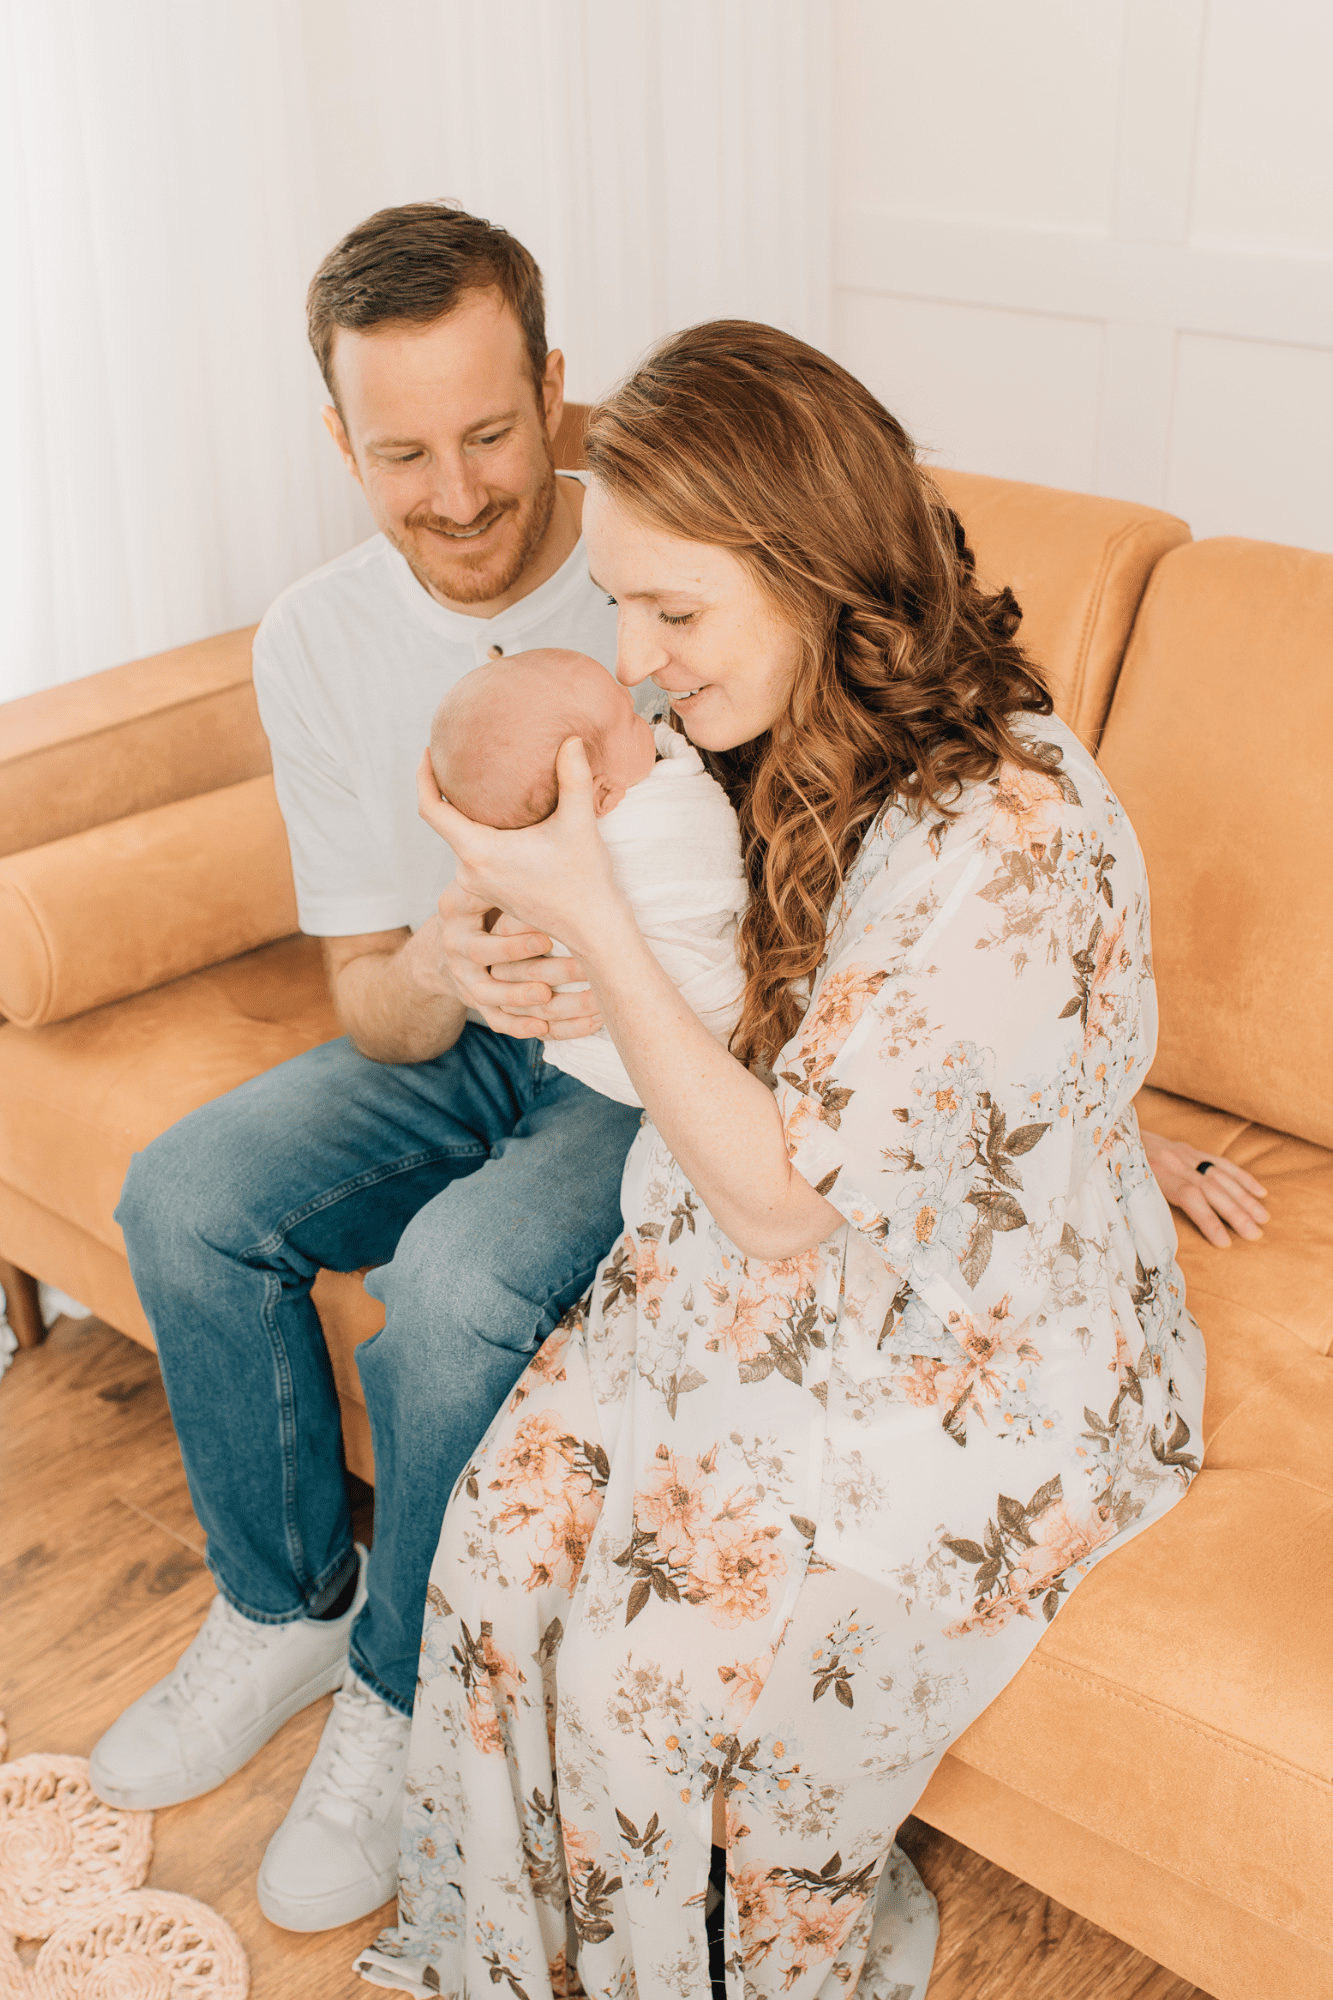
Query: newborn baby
[[673, 837]]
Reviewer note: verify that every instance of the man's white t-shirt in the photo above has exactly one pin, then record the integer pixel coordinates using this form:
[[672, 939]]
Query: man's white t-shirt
[[349, 666]]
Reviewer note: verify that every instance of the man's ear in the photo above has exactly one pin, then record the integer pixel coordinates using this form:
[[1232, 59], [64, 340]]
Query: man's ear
[[553, 392], [336, 429], [605, 796]]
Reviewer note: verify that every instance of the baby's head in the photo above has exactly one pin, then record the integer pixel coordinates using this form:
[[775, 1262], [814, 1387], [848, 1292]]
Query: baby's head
[[494, 737]]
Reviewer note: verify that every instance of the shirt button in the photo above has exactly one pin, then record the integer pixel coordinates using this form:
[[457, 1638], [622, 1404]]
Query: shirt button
[[495, 652]]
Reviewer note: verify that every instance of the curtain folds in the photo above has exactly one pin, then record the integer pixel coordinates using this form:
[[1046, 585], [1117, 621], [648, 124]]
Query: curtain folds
[[171, 173]]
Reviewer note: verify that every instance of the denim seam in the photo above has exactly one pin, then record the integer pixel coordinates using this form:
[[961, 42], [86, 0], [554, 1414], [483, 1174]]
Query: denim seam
[[282, 1365], [370, 1178], [286, 1430]]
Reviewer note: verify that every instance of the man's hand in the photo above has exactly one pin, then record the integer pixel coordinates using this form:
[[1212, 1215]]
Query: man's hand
[[1225, 1194], [500, 968]]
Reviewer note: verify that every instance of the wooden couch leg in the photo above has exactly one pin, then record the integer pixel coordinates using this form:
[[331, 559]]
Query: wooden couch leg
[[22, 1308]]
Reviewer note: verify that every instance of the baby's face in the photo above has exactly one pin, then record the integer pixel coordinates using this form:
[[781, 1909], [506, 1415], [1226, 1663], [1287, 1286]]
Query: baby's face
[[623, 752]]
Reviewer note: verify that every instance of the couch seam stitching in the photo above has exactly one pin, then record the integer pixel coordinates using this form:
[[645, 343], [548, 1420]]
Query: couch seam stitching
[[1184, 1874], [129, 722], [1225, 1298], [49, 988], [1174, 1715], [1110, 554]]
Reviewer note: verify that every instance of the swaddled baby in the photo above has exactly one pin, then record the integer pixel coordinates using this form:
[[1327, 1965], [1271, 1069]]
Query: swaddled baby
[[670, 829]]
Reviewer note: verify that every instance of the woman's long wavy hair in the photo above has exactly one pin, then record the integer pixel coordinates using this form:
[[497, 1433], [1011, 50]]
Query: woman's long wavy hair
[[909, 676]]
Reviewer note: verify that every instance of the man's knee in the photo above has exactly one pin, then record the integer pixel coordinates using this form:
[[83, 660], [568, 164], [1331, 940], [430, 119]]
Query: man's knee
[[445, 1291], [191, 1179]]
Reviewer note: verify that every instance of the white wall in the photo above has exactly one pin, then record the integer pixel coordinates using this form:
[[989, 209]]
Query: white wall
[[171, 172], [1081, 241], [1090, 242]]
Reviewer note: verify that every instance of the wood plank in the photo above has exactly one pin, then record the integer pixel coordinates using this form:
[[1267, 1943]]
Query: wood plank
[[1001, 1939], [103, 1584]]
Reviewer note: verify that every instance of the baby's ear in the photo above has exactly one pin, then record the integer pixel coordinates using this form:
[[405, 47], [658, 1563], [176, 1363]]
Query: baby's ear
[[605, 796]]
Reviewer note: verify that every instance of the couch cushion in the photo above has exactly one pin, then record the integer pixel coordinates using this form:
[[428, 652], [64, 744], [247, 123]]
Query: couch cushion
[[136, 902], [130, 738], [81, 1096], [1179, 1705], [1078, 566], [1218, 746]]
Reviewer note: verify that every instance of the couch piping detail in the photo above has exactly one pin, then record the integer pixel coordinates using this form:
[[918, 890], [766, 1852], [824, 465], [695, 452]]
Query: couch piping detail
[[35, 1020], [1282, 1326], [1205, 1730], [127, 722], [1191, 1875], [1095, 596]]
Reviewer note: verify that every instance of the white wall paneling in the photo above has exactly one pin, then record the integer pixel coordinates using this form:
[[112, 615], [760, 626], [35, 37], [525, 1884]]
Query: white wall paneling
[[1184, 223]]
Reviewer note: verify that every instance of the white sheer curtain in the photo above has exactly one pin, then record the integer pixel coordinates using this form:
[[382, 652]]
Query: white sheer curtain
[[171, 172]]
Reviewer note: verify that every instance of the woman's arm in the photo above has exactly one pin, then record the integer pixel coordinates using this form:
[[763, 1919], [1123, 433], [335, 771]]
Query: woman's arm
[[721, 1123]]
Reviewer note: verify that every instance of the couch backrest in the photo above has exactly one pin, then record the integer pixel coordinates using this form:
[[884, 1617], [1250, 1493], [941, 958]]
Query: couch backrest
[[1220, 745], [1077, 564], [146, 734], [127, 740]]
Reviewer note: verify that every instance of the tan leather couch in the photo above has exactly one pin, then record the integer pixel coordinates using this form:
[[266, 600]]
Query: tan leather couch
[[1163, 1762]]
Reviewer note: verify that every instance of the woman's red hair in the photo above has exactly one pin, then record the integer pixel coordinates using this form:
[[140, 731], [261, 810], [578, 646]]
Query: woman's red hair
[[740, 436]]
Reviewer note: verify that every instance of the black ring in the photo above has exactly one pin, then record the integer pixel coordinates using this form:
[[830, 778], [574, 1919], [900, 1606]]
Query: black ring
[[1203, 1166]]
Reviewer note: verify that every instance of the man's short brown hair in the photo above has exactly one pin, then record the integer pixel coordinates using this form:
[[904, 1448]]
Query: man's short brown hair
[[411, 266]]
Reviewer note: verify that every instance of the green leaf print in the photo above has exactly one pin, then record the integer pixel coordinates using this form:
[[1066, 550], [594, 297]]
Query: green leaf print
[[1172, 1451], [682, 1217], [499, 1971], [1007, 1539], [619, 1278], [590, 1893], [654, 1574], [829, 1881]]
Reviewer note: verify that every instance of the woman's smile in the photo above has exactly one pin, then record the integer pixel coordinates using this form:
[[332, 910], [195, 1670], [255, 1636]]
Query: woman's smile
[[684, 605]]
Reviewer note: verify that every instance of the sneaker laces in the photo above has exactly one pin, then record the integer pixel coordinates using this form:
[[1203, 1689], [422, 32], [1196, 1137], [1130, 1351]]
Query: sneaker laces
[[220, 1652], [358, 1752]]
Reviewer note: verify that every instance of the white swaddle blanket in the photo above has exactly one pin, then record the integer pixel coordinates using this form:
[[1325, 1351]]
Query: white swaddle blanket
[[676, 852]]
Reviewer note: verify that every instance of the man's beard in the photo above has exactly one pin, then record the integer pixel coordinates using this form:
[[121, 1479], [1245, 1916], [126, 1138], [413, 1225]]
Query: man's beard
[[482, 578]]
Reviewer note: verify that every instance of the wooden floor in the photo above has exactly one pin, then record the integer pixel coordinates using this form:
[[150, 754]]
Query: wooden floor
[[102, 1584]]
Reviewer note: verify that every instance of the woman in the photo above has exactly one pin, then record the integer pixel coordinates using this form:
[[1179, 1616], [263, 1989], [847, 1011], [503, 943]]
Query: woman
[[894, 1346]]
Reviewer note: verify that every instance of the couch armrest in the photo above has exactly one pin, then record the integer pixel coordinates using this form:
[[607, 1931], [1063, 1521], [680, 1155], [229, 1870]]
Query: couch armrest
[[129, 739], [127, 906]]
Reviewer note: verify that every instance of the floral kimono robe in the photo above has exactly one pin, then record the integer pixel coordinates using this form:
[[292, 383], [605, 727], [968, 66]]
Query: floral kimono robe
[[784, 1529]]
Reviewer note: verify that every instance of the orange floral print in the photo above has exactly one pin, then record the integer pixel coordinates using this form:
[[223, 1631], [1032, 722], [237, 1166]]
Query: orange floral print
[[1028, 810], [679, 1503], [733, 1563], [750, 1530], [534, 1467], [653, 1273]]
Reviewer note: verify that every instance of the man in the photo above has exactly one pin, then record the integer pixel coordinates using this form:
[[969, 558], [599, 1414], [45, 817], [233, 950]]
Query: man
[[409, 1144]]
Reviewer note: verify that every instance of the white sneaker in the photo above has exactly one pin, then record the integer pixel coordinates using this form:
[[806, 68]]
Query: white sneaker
[[335, 1856], [233, 1687]]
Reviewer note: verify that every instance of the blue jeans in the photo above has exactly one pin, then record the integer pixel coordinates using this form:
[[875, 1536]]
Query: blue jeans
[[486, 1187]]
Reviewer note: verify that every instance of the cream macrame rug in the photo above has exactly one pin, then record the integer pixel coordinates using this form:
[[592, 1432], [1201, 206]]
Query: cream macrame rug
[[70, 1872]]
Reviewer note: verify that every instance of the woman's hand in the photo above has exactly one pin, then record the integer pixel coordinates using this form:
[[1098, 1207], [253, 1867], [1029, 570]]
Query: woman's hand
[[551, 880], [1225, 1194], [554, 877]]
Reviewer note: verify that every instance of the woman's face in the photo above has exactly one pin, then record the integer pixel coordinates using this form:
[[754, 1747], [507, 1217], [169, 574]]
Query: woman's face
[[692, 619]]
